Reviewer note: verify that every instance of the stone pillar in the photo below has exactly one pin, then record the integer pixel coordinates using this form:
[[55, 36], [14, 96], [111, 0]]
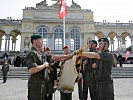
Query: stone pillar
[[13, 44], [7, 42], [119, 43], [112, 44], [123, 45]]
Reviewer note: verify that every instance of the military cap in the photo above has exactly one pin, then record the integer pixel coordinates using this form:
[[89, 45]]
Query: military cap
[[65, 47], [47, 49], [103, 40], [35, 36], [93, 41]]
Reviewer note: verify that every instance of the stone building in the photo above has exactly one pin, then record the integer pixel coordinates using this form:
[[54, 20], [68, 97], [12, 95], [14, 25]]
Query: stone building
[[80, 28]]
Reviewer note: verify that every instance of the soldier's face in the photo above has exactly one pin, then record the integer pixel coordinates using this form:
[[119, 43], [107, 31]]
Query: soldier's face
[[39, 43], [66, 51], [92, 45], [41, 49], [101, 45], [48, 52]]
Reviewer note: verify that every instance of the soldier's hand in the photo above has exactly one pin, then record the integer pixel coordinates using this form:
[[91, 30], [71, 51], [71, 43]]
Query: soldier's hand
[[94, 65], [46, 64]]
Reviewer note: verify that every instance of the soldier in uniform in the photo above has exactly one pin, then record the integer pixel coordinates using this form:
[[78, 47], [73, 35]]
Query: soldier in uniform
[[52, 75], [5, 69], [36, 85], [104, 82], [89, 74]]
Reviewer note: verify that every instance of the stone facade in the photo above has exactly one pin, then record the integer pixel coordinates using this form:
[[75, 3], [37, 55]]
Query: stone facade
[[80, 28]]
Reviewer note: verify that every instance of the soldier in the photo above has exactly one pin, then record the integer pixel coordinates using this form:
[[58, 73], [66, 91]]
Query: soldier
[[104, 82], [35, 65], [52, 75], [89, 74], [5, 69]]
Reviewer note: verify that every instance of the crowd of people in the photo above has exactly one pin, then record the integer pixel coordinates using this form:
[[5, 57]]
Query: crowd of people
[[95, 71]]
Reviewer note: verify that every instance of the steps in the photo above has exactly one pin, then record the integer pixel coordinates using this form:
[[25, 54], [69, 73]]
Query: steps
[[22, 72], [122, 72]]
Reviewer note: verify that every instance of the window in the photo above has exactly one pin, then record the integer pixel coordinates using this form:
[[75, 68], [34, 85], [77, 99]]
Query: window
[[75, 39], [58, 38], [43, 31]]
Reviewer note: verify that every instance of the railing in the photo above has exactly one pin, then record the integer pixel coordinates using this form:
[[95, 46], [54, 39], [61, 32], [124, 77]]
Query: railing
[[7, 21], [108, 24]]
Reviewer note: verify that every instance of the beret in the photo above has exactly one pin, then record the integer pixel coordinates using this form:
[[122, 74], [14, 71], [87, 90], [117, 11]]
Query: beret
[[65, 47], [93, 41], [35, 36], [103, 40], [47, 49]]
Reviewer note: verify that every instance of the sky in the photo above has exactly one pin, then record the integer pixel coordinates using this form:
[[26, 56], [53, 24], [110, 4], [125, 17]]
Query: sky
[[109, 10]]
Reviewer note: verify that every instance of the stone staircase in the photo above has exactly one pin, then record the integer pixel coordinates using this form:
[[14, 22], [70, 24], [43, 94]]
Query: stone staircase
[[122, 72], [17, 72], [22, 72]]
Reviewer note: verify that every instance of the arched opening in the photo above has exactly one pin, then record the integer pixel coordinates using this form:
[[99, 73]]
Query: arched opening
[[43, 31], [75, 38], [58, 38]]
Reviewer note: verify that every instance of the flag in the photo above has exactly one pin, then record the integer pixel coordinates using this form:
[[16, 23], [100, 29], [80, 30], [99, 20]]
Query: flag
[[127, 54], [63, 10]]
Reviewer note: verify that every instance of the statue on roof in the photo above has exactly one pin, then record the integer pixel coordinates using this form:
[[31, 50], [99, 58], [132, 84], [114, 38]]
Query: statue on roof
[[57, 3], [43, 3], [75, 5]]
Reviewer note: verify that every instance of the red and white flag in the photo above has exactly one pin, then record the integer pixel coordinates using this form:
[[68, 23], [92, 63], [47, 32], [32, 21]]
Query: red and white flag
[[63, 9]]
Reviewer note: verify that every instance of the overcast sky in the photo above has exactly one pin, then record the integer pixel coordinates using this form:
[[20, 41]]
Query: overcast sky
[[110, 10]]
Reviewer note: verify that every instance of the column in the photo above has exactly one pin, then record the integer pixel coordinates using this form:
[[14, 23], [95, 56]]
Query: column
[[13, 44], [7, 42], [112, 44], [119, 43], [123, 45]]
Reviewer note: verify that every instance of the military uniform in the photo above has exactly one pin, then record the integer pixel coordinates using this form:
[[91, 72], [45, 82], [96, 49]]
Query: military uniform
[[5, 69], [89, 76], [104, 82], [52, 76], [36, 84], [89, 79]]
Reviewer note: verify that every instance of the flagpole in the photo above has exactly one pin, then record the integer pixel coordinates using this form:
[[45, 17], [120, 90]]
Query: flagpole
[[64, 29]]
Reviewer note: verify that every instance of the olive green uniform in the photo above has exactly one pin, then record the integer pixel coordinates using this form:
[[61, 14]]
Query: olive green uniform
[[52, 76], [5, 69], [36, 84], [104, 81], [89, 78]]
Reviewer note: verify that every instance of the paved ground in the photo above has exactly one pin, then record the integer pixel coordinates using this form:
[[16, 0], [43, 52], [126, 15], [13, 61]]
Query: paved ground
[[16, 89]]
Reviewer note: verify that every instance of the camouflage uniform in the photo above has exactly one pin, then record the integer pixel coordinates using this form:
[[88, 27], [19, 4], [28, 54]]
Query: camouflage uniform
[[36, 84], [5, 69]]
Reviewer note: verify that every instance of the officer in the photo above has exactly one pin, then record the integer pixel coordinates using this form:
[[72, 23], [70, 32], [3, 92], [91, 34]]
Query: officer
[[36, 85], [89, 74], [104, 82], [5, 69], [52, 75]]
